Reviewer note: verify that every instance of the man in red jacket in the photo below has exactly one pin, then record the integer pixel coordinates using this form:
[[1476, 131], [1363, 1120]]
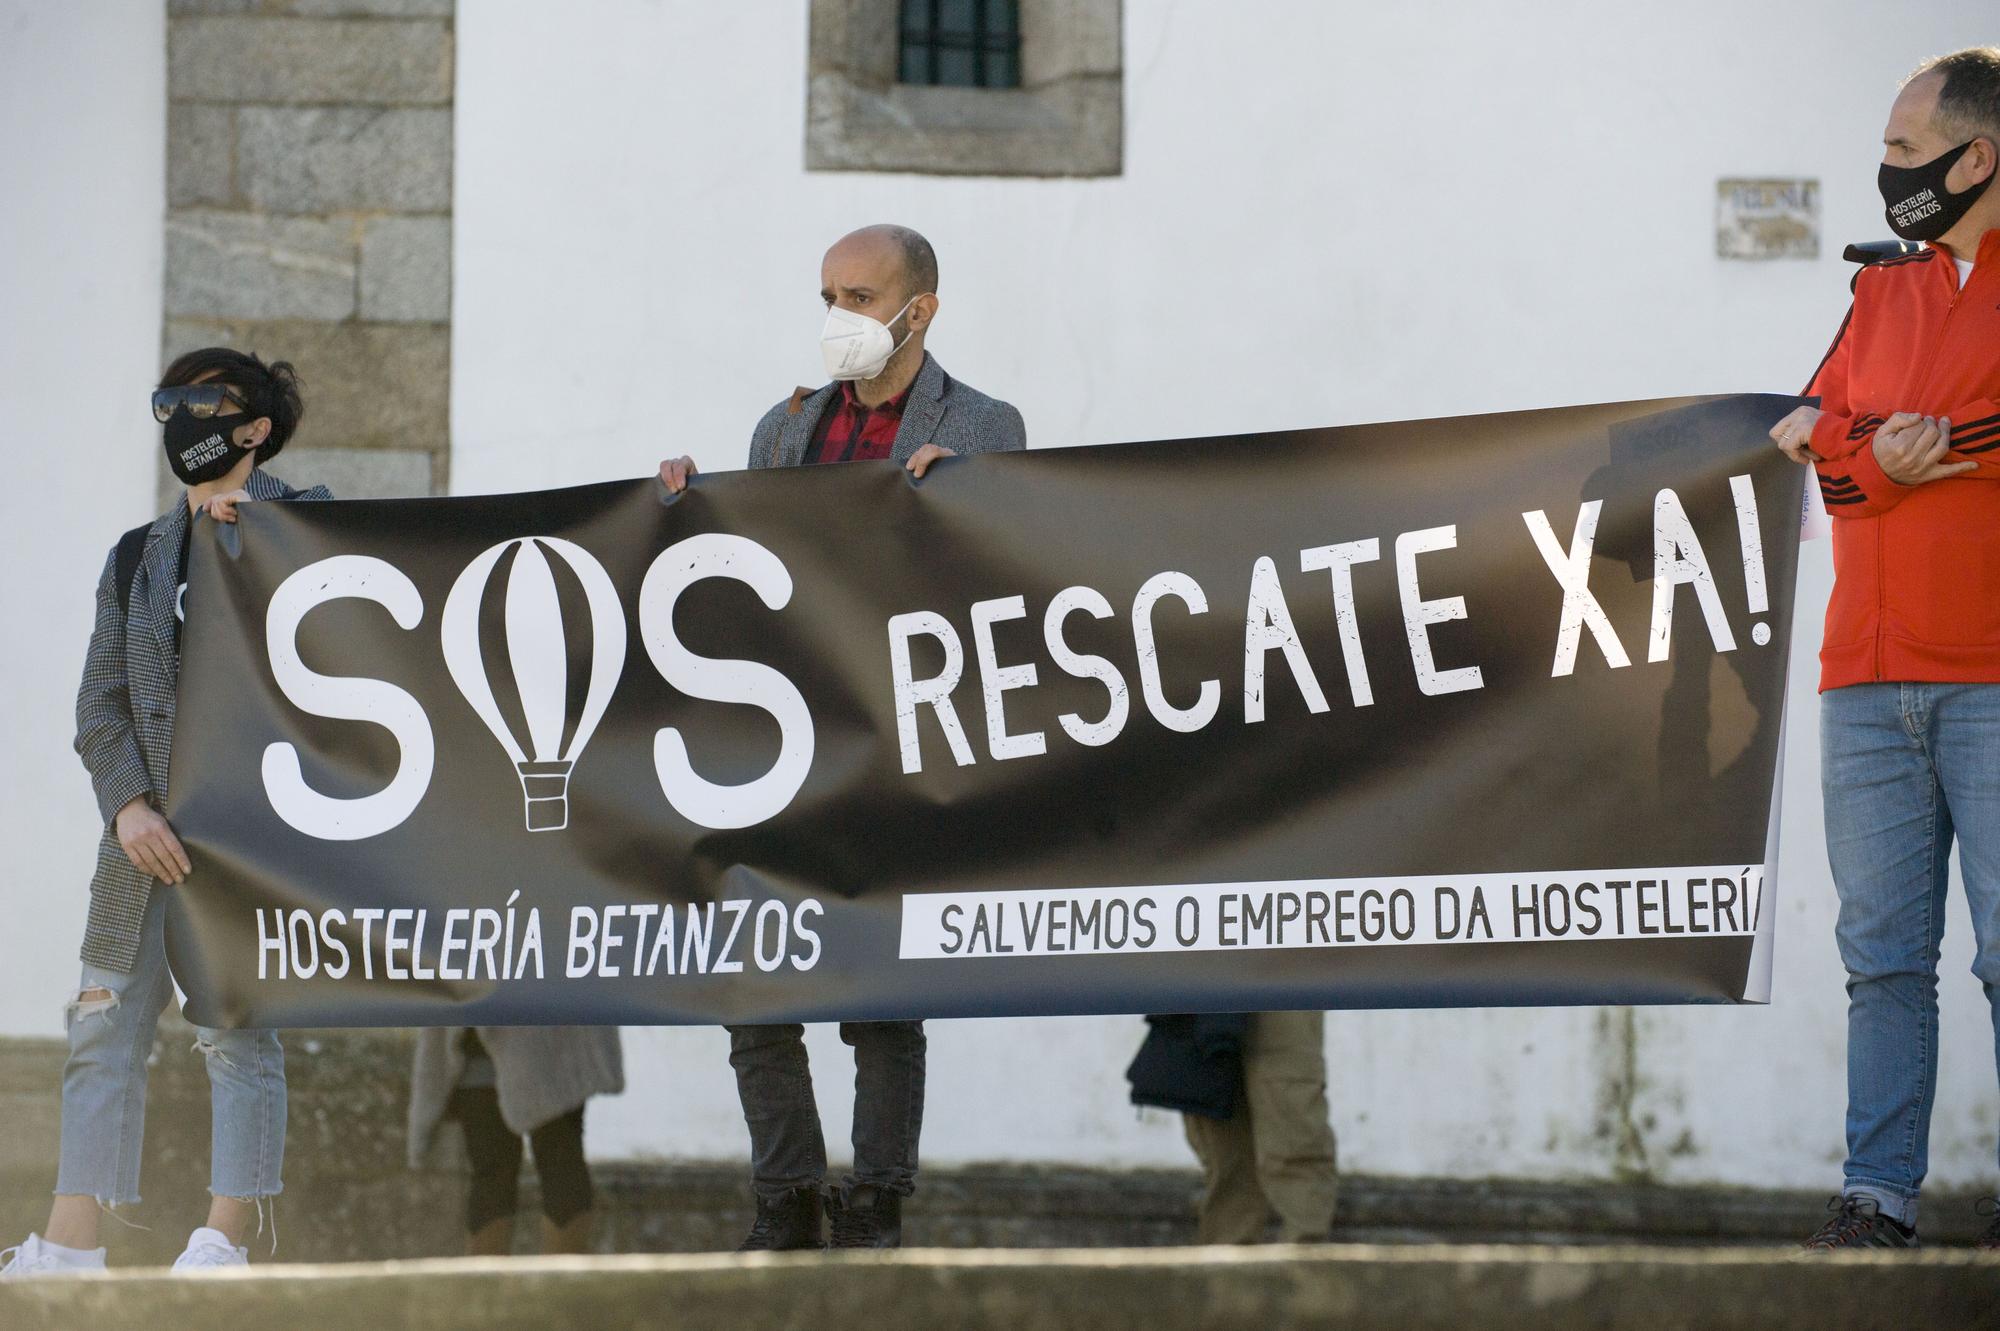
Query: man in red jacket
[[1906, 444]]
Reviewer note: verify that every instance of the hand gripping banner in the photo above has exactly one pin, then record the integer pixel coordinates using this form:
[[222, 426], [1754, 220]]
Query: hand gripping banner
[[1451, 712]]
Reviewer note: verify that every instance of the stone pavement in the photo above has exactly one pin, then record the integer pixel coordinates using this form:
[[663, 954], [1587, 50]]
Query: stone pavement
[[1355, 1287]]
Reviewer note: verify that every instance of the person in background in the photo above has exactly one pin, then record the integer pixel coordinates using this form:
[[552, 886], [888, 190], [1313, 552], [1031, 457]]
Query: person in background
[[503, 1083], [1905, 444], [889, 399], [1251, 1092], [223, 414]]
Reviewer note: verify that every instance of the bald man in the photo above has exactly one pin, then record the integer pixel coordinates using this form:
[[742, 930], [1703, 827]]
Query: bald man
[[888, 399], [1905, 445]]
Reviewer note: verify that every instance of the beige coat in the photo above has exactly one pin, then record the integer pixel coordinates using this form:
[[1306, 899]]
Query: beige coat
[[542, 1072]]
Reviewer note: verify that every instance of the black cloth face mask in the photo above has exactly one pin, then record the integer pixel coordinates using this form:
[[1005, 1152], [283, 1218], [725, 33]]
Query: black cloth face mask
[[200, 451], [1920, 207]]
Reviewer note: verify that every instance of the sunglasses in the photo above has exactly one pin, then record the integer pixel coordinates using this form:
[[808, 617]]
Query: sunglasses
[[201, 400]]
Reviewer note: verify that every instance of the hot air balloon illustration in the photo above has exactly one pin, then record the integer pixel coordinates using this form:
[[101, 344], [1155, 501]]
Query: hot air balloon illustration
[[539, 658]]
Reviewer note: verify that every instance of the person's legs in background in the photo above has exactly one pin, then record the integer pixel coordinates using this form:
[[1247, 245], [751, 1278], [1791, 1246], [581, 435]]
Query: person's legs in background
[[494, 1153], [1233, 1208], [1276, 1152], [1284, 1085], [889, 1068], [564, 1174], [787, 1146]]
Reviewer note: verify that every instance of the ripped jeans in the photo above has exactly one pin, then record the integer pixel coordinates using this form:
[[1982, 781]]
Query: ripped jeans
[[104, 1084]]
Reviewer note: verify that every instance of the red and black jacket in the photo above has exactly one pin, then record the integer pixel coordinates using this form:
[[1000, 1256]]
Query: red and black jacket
[[1916, 592]]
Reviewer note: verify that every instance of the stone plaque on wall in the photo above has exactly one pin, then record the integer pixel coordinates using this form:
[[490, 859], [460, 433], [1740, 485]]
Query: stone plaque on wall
[[1767, 219]]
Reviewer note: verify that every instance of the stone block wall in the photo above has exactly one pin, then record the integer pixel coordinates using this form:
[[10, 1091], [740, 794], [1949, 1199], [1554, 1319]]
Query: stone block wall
[[309, 170], [351, 1196]]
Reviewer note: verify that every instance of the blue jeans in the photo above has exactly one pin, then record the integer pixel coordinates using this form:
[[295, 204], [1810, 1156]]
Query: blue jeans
[[774, 1080], [104, 1084], [1906, 769]]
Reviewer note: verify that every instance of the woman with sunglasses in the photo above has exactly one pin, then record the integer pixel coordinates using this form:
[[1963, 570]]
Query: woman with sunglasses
[[223, 414]]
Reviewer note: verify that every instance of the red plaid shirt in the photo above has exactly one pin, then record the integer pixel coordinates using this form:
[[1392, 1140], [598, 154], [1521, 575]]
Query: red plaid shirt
[[849, 431]]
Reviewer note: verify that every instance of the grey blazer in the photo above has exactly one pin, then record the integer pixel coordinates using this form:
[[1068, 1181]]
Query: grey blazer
[[125, 717], [941, 411]]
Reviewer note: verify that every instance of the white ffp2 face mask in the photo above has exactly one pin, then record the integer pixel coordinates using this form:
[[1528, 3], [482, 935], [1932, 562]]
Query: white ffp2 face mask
[[855, 346]]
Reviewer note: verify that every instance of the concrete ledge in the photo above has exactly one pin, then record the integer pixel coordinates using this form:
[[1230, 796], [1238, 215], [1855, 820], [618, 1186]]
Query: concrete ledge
[[1358, 1288]]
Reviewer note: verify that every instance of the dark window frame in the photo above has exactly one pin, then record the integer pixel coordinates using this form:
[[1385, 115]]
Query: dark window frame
[[923, 44], [1065, 120]]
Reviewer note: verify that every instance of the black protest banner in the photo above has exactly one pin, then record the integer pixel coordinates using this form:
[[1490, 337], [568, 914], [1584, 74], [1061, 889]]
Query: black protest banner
[[1449, 712]]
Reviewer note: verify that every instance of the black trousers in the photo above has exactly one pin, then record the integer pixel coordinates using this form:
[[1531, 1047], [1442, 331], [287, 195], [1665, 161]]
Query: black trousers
[[495, 1153], [787, 1148]]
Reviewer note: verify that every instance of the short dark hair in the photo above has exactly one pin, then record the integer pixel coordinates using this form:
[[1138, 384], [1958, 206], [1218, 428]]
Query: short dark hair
[[919, 260], [270, 390], [1968, 105]]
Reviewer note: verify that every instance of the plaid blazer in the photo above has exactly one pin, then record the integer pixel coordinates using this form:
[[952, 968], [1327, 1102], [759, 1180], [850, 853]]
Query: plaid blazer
[[125, 716], [941, 411]]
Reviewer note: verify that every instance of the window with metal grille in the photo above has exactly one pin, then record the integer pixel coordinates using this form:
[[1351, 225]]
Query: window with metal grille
[[960, 43]]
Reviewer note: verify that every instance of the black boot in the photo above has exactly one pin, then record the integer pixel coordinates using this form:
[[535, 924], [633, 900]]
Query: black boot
[[788, 1224], [867, 1217]]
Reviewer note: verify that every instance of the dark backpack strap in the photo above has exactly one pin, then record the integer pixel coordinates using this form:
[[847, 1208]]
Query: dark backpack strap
[[1867, 252], [131, 547]]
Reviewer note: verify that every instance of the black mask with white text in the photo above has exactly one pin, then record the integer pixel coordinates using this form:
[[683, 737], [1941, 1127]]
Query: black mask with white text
[[1919, 205], [200, 451]]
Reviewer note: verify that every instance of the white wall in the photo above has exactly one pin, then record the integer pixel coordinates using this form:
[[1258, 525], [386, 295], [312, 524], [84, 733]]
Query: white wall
[[1330, 213], [82, 155], [1433, 210]]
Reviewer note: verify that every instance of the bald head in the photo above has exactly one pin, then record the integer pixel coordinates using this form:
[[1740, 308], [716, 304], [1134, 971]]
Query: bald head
[[1961, 92], [889, 274], [1951, 104], [886, 246]]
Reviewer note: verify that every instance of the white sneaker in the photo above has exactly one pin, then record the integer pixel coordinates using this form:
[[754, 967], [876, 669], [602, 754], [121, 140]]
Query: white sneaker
[[208, 1250], [36, 1256]]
